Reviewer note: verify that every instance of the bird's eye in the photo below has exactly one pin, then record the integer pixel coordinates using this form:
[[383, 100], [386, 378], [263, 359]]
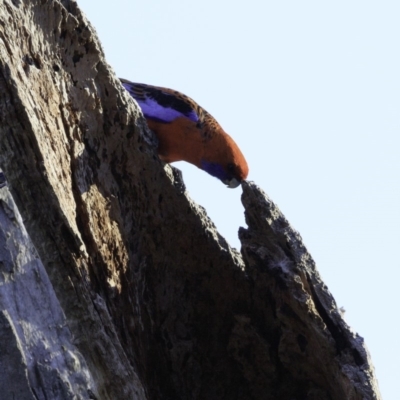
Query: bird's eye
[[230, 167]]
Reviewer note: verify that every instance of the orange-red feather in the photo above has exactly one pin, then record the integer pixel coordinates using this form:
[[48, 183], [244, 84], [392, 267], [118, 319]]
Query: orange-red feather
[[187, 132]]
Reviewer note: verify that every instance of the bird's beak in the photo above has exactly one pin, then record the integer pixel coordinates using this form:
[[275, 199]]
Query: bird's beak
[[233, 183]]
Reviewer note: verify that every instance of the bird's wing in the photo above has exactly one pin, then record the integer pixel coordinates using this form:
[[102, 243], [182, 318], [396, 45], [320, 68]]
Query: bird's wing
[[162, 104]]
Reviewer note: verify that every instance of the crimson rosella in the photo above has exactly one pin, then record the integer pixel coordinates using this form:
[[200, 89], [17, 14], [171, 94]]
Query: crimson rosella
[[187, 132]]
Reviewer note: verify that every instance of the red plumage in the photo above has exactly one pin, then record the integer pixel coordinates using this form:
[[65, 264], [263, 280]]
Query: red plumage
[[187, 132]]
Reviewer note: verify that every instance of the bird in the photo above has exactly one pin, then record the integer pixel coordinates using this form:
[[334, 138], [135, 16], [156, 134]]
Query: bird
[[187, 132]]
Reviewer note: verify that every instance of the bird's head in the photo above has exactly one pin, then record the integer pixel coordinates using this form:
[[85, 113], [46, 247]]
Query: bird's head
[[230, 174], [228, 164]]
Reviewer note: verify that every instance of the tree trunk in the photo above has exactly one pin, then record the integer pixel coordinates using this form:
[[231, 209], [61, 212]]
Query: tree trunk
[[128, 291]]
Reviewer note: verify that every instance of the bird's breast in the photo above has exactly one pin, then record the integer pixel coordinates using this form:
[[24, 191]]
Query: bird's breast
[[179, 140]]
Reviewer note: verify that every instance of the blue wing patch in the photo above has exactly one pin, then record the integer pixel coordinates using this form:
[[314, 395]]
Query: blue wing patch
[[158, 104]]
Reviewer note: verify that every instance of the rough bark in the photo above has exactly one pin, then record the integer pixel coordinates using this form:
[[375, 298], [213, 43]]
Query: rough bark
[[37, 357], [134, 294]]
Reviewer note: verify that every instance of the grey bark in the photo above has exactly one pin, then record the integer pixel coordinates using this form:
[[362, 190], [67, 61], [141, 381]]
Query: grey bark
[[128, 291], [37, 357]]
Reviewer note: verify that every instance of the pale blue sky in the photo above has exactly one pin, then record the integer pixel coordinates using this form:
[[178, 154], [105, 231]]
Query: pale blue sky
[[311, 93]]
